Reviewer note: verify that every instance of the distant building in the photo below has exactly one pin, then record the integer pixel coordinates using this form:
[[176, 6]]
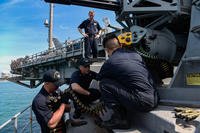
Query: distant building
[[5, 75]]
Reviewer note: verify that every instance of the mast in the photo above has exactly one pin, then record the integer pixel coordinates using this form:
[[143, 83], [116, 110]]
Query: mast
[[51, 26]]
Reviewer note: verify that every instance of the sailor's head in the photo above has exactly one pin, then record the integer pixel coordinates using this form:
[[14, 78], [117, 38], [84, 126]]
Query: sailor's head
[[91, 14], [52, 79], [84, 65], [111, 43]]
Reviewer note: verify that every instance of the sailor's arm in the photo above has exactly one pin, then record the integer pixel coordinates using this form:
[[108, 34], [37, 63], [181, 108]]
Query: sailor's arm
[[65, 100], [99, 31], [77, 88], [105, 71], [80, 27], [55, 119], [67, 107], [98, 34], [81, 31]]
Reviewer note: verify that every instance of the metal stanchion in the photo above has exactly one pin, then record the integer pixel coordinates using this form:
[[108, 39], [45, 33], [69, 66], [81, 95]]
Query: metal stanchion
[[83, 47], [31, 120], [15, 124]]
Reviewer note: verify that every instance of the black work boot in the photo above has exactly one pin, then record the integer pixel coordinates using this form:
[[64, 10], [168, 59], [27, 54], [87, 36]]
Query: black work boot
[[118, 119], [77, 123], [77, 114]]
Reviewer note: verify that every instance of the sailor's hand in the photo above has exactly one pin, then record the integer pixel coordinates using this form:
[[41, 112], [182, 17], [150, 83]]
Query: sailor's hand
[[85, 35], [88, 93], [97, 36]]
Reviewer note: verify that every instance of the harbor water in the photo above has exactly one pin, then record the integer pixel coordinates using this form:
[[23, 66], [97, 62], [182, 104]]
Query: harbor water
[[13, 99]]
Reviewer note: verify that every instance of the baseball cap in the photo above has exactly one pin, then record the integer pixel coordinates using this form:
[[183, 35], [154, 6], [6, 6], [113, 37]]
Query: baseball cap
[[84, 62], [54, 77]]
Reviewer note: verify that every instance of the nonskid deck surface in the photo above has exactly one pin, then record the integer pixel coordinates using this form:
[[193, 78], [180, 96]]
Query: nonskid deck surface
[[160, 120], [163, 120], [89, 128]]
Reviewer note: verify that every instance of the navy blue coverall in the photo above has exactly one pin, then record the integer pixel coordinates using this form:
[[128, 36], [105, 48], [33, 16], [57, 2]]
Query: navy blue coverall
[[44, 108], [125, 80], [91, 29], [84, 81]]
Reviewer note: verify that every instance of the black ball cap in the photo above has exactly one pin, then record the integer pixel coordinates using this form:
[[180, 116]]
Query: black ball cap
[[54, 77], [84, 62]]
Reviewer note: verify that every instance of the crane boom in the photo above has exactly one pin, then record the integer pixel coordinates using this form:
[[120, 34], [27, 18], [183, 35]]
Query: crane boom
[[113, 5]]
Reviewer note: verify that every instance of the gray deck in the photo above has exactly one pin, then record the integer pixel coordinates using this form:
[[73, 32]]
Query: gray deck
[[89, 128], [160, 120]]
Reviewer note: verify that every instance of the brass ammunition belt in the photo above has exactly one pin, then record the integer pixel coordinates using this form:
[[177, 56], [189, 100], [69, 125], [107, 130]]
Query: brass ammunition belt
[[94, 109]]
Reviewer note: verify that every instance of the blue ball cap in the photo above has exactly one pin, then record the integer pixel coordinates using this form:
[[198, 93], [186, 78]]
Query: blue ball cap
[[84, 62], [54, 77]]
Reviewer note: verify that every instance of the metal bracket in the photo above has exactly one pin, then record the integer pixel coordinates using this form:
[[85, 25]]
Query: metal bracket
[[196, 31], [138, 6], [196, 3], [161, 20], [137, 33]]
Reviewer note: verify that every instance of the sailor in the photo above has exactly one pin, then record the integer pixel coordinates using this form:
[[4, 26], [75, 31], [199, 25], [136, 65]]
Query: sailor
[[80, 82], [125, 84], [49, 105], [91, 34]]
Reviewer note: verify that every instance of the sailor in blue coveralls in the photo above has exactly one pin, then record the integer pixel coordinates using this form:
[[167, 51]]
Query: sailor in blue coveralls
[[80, 83], [50, 104], [125, 83], [91, 34]]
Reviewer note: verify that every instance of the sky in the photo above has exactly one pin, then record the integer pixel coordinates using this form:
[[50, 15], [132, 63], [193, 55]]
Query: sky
[[22, 30]]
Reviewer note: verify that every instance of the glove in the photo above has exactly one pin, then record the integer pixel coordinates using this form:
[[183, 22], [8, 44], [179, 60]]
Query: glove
[[65, 98]]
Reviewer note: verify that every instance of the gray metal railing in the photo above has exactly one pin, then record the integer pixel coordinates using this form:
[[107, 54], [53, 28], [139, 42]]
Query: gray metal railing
[[52, 53], [15, 120], [69, 50]]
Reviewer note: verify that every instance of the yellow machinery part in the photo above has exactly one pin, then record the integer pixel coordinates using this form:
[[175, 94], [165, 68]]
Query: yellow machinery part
[[125, 38]]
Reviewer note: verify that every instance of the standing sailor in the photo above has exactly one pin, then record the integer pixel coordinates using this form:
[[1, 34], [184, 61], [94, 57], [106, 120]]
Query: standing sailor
[[91, 34]]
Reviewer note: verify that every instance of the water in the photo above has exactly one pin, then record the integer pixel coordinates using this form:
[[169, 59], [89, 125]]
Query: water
[[13, 99]]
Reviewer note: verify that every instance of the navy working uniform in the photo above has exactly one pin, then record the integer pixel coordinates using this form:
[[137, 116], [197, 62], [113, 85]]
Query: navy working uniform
[[125, 80], [91, 28], [84, 81], [44, 105]]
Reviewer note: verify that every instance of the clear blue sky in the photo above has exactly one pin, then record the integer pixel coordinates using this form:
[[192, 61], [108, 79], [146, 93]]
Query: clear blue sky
[[22, 31]]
